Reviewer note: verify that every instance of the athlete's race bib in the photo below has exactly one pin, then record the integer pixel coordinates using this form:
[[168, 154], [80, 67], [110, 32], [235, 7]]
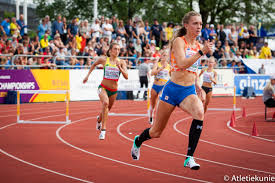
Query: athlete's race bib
[[194, 67], [111, 73]]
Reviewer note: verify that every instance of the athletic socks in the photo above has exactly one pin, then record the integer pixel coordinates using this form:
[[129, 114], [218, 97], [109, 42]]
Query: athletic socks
[[194, 136], [143, 137]]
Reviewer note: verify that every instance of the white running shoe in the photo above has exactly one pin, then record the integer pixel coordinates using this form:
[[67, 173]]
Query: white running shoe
[[135, 151], [190, 162], [98, 124], [102, 135]]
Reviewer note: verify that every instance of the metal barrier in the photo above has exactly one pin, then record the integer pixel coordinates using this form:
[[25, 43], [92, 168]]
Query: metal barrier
[[132, 59]]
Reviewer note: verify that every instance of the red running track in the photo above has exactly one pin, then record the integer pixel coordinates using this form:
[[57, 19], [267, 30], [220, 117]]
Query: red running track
[[73, 153]]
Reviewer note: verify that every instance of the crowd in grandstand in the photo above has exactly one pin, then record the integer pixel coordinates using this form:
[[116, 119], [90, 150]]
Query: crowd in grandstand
[[137, 39]]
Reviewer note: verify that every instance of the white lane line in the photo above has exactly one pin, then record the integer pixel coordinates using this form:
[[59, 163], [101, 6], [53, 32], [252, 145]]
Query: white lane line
[[40, 167], [221, 145], [1, 128], [118, 161], [261, 138], [179, 154]]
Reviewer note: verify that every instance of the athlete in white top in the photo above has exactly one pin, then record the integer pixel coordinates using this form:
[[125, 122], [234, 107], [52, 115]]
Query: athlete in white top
[[209, 77]]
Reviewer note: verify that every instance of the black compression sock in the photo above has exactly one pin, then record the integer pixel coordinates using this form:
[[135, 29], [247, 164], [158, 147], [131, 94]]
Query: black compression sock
[[143, 137], [194, 136]]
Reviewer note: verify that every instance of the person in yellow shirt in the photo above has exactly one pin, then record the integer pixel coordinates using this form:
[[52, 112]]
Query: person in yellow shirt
[[169, 31], [44, 42], [14, 27], [265, 52], [78, 39]]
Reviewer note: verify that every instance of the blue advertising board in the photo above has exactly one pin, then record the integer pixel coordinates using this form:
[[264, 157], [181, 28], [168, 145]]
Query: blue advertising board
[[256, 81]]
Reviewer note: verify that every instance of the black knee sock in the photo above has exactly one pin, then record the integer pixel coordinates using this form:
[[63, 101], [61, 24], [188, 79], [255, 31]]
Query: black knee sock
[[143, 137], [194, 136]]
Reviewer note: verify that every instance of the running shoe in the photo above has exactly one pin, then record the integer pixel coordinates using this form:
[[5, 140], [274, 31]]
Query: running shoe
[[135, 151], [190, 162], [102, 135]]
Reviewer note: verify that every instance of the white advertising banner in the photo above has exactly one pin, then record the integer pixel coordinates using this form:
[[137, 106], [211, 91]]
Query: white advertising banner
[[88, 91], [255, 64]]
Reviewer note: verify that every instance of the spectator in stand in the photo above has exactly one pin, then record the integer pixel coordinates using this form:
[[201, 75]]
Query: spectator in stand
[[245, 35], [114, 22], [80, 64], [256, 53], [26, 47], [36, 45], [138, 47], [96, 30], [57, 26], [222, 35], [134, 32], [156, 31], [240, 31], [233, 37], [60, 57], [212, 33], [261, 70], [131, 51], [156, 55], [64, 36], [107, 29], [169, 31], [153, 46], [223, 64], [102, 20], [14, 27], [14, 42], [252, 35], [142, 34], [49, 23], [72, 29], [120, 30], [82, 30], [124, 45], [5, 27], [145, 46], [251, 54], [21, 24], [233, 65], [19, 50], [238, 56], [164, 39], [147, 28], [42, 28], [58, 42], [226, 49], [265, 52], [227, 31], [205, 32], [129, 30], [44, 42]]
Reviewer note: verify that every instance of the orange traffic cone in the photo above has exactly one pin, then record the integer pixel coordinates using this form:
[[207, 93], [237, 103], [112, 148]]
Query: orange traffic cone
[[254, 130], [232, 120], [273, 115], [244, 112]]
